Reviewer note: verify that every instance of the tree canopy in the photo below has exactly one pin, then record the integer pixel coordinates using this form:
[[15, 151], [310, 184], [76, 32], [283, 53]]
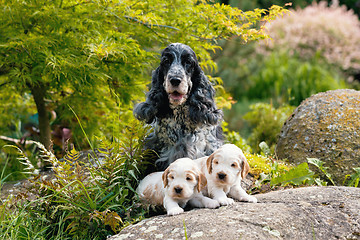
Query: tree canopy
[[91, 55]]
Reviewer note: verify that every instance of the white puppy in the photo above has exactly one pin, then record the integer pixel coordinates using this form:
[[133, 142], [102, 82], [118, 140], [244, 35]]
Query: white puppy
[[224, 170], [179, 184]]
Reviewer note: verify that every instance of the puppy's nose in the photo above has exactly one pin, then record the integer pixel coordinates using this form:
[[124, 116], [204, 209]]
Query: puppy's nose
[[221, 176], [175, 81], [178, 189]]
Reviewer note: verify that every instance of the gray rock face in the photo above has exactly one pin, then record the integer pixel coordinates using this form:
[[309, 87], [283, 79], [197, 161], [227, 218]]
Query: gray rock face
[[303, 213], [325, 126]]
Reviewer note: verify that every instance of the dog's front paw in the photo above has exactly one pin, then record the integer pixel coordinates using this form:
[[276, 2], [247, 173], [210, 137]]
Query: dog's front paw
[[175, 211], [225, 201], [211, 203]]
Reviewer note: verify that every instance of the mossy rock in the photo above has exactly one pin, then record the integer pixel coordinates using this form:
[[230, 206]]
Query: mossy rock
[[325, 126]]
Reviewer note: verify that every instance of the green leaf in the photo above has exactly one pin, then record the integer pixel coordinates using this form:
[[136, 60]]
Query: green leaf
[[354, 178], [295, 176], [320, 164]]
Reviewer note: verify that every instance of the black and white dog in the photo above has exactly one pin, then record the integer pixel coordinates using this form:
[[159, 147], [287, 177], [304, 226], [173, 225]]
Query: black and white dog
[[181, 109]]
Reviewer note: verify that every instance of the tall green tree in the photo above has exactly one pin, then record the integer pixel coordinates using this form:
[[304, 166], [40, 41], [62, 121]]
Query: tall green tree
[[79, 50]]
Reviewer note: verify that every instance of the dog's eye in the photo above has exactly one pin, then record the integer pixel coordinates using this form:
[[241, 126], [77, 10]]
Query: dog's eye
[[233, 165], [165, 61], [216, 162], [188, 178], [172, 177], [188, 62]]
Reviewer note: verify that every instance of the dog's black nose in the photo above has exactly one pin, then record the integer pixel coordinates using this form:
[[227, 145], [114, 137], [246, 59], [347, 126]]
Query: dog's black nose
[[178, 189], [175, 81], [221, 176]]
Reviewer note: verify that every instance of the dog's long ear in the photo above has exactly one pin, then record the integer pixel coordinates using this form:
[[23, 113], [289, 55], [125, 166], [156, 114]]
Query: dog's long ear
[[165, 177], [201, 101], [201, 182], [209, 162], [156, 100], [245, 167]]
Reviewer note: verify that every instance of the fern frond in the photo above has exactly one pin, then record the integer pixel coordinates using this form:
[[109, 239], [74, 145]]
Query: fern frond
[[24, 160]]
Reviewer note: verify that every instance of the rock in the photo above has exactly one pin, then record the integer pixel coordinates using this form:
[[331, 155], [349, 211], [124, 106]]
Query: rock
[[325, 126], [302, 213]]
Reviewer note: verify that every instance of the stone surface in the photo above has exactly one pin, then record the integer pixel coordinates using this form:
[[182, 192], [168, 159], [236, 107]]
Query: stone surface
[[302, 213], [325, 126]]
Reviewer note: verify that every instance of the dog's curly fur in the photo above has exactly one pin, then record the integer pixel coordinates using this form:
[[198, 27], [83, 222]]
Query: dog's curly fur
[[180, 106]]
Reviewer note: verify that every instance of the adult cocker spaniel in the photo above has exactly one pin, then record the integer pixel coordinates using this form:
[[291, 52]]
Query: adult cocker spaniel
[[181, 109]]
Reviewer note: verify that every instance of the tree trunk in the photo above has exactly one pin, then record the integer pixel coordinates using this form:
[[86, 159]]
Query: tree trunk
[[38, 91]]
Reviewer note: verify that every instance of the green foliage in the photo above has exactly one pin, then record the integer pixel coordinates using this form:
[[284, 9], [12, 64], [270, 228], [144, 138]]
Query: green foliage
[[299, 175], [88, 53], [11, 167], [261, 165], [86, 198], [267, 123], [15, 108], [287, 79], [235, 138], [320, 165], [353, 179], [295, 176], [269, 169]]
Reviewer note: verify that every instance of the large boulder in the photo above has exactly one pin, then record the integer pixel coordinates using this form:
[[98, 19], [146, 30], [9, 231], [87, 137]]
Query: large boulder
[[303, 213], [325, 126]]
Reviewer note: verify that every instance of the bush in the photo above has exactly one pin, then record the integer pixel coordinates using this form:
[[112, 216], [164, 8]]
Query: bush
[[333, 32], [287, 79], [267, 123]]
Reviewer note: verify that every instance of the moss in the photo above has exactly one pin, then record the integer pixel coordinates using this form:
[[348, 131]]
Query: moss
[[260, 164]]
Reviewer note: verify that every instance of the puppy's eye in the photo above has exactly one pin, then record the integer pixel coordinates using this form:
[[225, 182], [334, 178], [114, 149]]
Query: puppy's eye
[[216, 162], [188, 178], [172, 177], [233, 165]]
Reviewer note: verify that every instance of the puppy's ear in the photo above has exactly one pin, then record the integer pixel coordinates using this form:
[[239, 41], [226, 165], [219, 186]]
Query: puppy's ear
[[201, 182], [209, 163], [165, 177], [245, 168]]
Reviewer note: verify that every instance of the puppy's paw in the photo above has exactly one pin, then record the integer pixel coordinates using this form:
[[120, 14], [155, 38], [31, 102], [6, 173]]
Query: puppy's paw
[[211, 203], [225, 201], [175, 211], [248, 198], [252, 199]]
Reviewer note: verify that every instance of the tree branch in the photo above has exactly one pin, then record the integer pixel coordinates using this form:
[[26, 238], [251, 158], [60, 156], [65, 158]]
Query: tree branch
[[16, 141]]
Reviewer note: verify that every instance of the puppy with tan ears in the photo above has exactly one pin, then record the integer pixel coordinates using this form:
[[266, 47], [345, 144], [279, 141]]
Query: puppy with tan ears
[[224, 170], [179, 184]]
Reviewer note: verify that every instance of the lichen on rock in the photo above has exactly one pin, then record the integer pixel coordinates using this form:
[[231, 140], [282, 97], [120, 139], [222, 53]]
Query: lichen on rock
[[325, 126]]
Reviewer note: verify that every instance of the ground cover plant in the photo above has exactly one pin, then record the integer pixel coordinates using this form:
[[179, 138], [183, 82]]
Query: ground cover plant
[[84, 199]]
